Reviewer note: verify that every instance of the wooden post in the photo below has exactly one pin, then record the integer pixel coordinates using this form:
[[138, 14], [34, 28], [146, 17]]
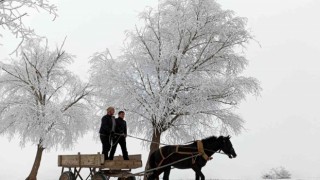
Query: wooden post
[[59, 160], [101, 159], [79, 159]]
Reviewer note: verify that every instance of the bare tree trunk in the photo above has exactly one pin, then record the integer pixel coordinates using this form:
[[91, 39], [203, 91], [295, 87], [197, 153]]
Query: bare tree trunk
[[153, 147], [34, 171]]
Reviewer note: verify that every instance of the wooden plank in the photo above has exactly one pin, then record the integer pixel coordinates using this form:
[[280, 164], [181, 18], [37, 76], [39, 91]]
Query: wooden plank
[[59, 160], [97, 161], [117, 173], [80, 160], [122, 164], [131, 157], [101, 160]]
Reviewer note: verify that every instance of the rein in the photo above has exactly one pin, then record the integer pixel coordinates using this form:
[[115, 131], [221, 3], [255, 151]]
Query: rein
[[146, 140], [200, 152], [193, 155], [167, 165]]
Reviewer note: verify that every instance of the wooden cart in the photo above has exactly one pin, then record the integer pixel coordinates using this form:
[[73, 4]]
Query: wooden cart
[[98, 168]]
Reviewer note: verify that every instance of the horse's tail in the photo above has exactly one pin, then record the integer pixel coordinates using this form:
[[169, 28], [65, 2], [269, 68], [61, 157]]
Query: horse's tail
[[152, 165], [152, 161]]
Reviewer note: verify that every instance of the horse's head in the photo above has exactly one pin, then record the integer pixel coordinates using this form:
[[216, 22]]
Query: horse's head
[[226, 146]]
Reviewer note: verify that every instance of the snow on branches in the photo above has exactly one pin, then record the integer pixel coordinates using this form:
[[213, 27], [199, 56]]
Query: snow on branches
[[42, 101], [13, 11], [180, 72]]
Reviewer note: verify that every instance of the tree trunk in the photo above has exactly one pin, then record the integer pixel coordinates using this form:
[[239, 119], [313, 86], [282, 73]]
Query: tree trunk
[[153, 146], [36, 164]]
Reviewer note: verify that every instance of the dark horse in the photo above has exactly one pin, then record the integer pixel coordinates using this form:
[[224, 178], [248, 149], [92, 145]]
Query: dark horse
[[194, 155]]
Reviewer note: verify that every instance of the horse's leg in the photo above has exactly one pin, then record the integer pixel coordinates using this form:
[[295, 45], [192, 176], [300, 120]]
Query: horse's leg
[[166, 173], [156, 173], [198, 172], [153, 176], [197, 176], [150, 176]]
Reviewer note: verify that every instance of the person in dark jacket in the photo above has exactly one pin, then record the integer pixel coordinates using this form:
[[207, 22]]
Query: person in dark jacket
[[107, 130], [120, 137]]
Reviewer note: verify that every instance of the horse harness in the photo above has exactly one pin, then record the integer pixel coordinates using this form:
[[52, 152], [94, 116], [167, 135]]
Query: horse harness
[[199, 148]]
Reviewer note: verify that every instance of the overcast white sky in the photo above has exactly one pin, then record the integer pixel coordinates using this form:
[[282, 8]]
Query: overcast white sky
[[282, 126]]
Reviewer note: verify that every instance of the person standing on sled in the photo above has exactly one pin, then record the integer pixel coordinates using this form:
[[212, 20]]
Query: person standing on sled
[[107, 129], [120, 137]]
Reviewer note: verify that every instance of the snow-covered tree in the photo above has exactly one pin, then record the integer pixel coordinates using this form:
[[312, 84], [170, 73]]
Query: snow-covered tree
[[42, 101], [179, 74], [277, 173], [13, 11]]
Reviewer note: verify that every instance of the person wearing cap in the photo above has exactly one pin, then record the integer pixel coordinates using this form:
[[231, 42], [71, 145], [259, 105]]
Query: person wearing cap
[[120, 137], [107, 129]]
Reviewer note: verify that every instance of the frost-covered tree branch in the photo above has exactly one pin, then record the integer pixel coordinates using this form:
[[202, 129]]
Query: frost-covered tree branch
[[12, 13], [41, 101], [180, 74]]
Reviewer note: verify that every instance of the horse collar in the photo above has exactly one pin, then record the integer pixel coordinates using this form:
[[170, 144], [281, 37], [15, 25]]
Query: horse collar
[[201, 150]]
